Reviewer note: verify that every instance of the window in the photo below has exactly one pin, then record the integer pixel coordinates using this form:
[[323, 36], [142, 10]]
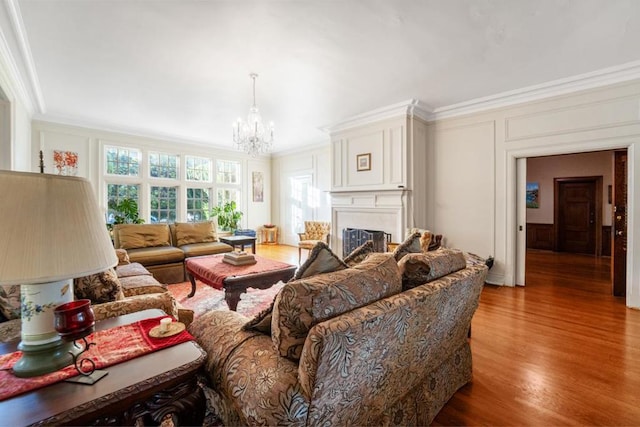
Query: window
[[227, 182], [227, 195], [164, 203], [162, 165], [198, 169], [117, 192], [227, 172], [123, 161], [198, 207]]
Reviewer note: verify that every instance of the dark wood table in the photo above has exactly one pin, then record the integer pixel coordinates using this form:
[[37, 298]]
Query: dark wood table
[[240, 241], [148, 387], [236, 282]]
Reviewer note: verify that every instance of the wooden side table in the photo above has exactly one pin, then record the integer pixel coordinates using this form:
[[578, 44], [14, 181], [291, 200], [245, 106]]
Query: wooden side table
[[147, 387], [269, 235]]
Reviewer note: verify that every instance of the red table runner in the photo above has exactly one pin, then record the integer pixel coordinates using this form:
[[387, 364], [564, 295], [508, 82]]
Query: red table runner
[[113, 346], [212, 270]]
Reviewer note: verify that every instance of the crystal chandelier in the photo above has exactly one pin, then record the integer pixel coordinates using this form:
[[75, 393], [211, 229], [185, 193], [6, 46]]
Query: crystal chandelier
[[252, 136]]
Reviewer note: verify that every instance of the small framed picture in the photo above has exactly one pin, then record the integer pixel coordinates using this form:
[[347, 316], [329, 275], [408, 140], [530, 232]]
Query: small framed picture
[[363, 162]]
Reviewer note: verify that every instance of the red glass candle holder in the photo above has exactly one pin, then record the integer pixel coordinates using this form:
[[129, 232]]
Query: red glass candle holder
[[74, 319]]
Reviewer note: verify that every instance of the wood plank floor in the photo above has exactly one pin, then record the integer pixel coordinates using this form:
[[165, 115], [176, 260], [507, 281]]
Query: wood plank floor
[[560, 351]]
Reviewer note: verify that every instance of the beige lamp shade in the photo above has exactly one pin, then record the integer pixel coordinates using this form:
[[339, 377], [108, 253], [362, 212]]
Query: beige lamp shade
[[51, 229]]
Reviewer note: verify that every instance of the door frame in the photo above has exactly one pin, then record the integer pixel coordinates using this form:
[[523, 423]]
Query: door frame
[[597, 180]]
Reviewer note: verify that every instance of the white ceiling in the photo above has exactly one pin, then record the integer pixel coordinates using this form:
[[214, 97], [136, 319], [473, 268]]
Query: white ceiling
[[179, 68]]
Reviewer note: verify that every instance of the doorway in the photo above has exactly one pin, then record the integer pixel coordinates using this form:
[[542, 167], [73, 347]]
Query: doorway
[[577, 215], [299, 207]]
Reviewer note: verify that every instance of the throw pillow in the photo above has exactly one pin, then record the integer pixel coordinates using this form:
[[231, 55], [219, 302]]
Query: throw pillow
[[305, 302], [320, 260], [195, 232], [359, 254], [410, 245], [10, 301], [134, 236], [99, 288], [262, 321], [123, 257], [418, 269]]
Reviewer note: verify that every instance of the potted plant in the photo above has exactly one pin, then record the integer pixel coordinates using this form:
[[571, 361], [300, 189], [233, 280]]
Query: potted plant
[[228, 216], [125, 212]]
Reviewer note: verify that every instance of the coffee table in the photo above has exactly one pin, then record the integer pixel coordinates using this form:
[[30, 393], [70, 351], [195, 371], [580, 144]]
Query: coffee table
[[240, 241], [150, 386], [235, 280]]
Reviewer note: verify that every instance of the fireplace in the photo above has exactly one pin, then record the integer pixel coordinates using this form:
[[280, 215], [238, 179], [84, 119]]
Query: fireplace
[[354, 237]]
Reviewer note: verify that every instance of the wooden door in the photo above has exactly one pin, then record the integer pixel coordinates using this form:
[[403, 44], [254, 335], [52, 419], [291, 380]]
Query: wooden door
[[578, 212], [619, 228]]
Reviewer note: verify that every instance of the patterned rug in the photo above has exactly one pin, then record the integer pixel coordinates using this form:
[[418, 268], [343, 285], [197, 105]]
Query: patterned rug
[[207, 298]]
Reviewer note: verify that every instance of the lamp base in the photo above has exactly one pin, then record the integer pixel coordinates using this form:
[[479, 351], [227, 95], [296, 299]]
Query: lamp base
[[43, 358]]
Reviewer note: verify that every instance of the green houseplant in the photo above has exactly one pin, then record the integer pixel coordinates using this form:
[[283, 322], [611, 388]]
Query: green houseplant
[[228, 216], [125, 212]]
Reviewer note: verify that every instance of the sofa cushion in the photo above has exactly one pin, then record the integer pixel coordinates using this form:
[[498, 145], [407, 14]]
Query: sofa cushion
[[99, 288], [210, 248], [305, 302], [10, 301], [320, 260], [195, 232], [134, 236], [129, 270], [140, 285], [418, 269], [156, 255], [410, 245], [359, 254]]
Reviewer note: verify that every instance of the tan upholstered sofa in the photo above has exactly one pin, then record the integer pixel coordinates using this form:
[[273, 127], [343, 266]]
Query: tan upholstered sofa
[[126, 289], [162, 248], [349, 347]]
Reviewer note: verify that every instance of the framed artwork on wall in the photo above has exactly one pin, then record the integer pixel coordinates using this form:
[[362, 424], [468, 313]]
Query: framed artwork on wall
[[257, 182], [65, 162], [363, 162], [533, 196]]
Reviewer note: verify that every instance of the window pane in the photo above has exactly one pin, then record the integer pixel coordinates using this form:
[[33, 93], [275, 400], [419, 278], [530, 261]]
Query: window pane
[[163, 204], [122, 161], [198, 169], [227, 172], [117, 192], [162, 165], [198, 204], [225, 195]]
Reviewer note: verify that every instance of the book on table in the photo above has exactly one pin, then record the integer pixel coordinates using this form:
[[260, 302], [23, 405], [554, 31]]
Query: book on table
[[239, 258]]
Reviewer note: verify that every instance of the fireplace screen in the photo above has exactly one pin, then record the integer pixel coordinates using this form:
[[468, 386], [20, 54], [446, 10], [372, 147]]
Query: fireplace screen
[[354, 237]]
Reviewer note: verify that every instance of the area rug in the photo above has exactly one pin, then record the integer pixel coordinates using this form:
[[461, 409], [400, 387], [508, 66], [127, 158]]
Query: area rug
[[207, 298]]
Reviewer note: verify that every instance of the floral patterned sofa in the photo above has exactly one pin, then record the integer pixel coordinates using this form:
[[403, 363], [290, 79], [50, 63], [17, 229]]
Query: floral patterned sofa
[[377, 342], [127, 288]]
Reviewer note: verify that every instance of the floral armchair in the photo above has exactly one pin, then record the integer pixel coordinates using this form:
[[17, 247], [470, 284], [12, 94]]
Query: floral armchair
[[314, 232]]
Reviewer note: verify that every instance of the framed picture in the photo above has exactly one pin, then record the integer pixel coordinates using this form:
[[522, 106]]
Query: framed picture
[[533, 196], [363, 162], [257, 182]]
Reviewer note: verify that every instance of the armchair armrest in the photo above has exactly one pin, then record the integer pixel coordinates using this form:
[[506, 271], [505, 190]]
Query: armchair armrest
[[302, 236], [163, 301]]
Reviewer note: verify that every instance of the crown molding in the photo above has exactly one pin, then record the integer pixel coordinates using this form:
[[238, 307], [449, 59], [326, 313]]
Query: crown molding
[[411, 107], [311, 146], [10, 69], [592, 80], [15, 17]]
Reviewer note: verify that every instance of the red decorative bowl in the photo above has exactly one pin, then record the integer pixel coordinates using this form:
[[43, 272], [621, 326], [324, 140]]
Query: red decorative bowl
[[268, 225], [74, 319]]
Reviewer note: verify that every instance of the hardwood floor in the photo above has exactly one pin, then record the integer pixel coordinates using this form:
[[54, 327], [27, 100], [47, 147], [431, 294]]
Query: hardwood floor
[[560, 351]]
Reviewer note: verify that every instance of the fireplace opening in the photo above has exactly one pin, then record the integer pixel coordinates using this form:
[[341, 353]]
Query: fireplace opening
[[354, 237]]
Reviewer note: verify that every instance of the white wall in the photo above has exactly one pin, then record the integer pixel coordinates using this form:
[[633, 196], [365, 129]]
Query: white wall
[[89, 143], [472, 183], [316, 162]]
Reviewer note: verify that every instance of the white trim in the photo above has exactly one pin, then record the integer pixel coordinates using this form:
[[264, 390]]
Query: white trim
[[411, 107], [594, 79], [17, 87], [15, 16]]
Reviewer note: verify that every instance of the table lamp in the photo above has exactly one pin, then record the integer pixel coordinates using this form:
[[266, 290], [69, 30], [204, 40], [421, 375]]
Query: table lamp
[[51, 231]]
